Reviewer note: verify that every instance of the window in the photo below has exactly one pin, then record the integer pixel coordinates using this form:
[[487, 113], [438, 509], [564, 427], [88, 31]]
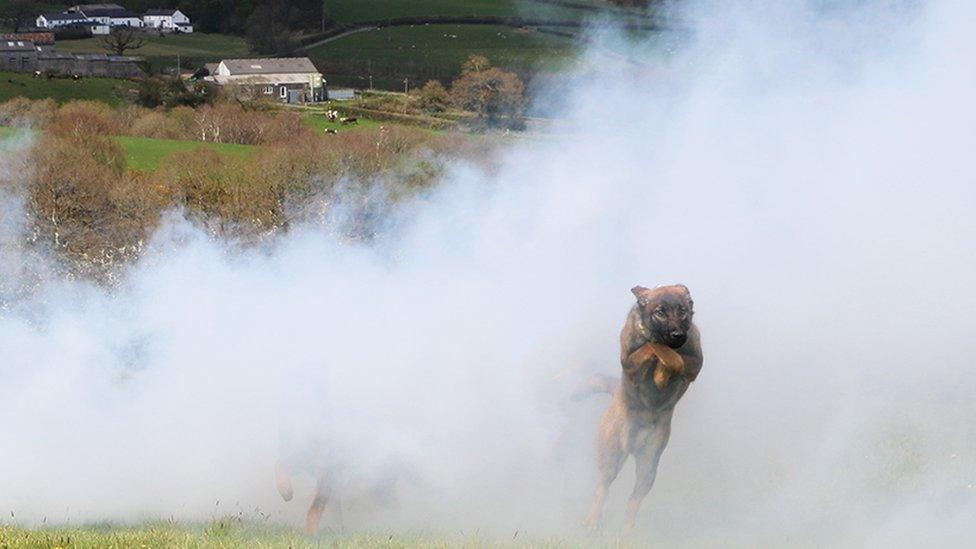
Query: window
[[283, 92], [269, 90]]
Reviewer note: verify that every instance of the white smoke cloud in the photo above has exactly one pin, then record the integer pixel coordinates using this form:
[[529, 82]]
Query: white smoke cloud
[[806, 171]]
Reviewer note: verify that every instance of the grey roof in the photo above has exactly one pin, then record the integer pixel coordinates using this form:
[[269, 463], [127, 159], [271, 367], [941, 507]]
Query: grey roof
[[110, 12], [158, 11], [83, 7], [17, 45], [41, 38], [51, 54], [211, 67], [280, 65], [64, 16]]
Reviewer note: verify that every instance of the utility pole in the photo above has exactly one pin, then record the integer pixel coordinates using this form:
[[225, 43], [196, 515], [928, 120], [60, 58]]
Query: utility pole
[[405, 84], [177, 66]]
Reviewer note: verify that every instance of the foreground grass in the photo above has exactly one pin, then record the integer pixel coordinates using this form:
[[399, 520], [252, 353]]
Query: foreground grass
[[232, 533], [220, 534], [18, 84], [147, 154]]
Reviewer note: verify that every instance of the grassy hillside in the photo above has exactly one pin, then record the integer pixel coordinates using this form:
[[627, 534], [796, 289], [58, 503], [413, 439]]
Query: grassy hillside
[[17, 84], [351, 11], [193, 49], [196, 44], [427, 52], [435, 49]]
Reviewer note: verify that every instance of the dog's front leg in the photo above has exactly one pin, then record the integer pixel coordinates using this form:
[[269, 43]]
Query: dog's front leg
[[647, 453]]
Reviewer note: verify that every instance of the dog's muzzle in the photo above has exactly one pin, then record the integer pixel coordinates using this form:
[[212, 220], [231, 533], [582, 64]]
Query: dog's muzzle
[[677, 339]]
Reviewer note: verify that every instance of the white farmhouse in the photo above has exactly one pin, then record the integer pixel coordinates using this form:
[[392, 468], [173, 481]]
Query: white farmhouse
[[55, 20], [113, 17], [167, 20]]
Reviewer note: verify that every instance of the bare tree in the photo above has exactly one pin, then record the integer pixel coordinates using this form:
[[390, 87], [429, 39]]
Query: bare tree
[[122, 39], [494, 95]]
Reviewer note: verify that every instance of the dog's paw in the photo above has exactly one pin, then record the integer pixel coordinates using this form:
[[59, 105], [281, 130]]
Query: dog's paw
[[662, 376]]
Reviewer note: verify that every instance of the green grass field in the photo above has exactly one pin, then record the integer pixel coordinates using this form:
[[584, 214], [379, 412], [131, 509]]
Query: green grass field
[[188, 45], [318, 121], [161, 51], [427, 52], [17, 84], [435, 51], [145, 154], [351, 11]]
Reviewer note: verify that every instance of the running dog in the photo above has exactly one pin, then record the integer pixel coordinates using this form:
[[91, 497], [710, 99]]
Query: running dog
[[660, 352]]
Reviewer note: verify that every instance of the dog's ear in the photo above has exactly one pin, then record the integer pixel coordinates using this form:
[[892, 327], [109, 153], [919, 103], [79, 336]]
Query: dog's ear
[[687, 293], [640, 293]]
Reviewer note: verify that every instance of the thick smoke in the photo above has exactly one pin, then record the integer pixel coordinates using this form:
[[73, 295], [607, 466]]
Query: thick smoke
[[805, 169]]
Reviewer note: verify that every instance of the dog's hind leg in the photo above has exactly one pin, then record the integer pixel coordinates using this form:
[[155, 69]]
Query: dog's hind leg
[[283, 481], [323, 492], [647, 455], [610, 458]]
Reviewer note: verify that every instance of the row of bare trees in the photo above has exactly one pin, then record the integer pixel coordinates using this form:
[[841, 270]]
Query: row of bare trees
[[222, 122], [94, 214]]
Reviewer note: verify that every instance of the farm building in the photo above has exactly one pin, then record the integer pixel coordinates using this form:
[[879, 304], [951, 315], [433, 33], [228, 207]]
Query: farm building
[[55, 20], [285, 79], [167, 20], [101, 18], [25, 56], [18, 56], [43, 40], [112, 17]]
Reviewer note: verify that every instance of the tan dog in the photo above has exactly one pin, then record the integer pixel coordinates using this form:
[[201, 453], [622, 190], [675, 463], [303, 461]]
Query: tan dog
[[660, 353]]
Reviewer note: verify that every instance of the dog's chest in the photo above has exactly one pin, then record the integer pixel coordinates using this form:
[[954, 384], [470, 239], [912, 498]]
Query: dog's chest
[[645, 395]]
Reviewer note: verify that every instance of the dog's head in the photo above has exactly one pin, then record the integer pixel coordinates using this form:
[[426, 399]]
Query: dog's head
[[665, 312]]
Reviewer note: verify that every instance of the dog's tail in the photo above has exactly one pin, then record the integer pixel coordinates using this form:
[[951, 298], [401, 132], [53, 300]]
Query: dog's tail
[[596, 384]]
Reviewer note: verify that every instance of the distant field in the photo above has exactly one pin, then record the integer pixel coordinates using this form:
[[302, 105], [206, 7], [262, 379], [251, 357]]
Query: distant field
[[351, 11], [193, 49], [425, 52], [16, 84], [190, 45], [145, 154]]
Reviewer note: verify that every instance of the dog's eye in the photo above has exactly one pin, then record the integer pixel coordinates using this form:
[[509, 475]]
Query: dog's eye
[[659, 313]]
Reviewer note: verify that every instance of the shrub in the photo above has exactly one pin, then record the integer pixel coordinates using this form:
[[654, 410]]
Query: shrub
[[23, 113], [82, 119], [433, 97], [493, 95]]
